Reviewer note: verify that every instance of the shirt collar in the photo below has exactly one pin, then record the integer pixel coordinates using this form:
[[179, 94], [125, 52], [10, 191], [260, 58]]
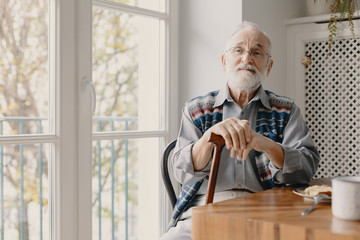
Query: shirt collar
[[261, 94], [224, 94]]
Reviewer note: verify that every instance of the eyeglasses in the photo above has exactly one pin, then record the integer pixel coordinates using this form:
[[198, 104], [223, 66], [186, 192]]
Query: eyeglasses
[[257, 54]]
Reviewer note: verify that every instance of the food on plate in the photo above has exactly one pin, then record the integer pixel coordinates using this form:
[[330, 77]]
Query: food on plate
[[317, 189]]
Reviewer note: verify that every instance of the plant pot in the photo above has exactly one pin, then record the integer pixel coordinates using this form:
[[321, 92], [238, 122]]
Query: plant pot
[[318, 7]]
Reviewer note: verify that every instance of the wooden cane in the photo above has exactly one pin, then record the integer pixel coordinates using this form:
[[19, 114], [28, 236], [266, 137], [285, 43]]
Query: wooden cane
[[219, 144]]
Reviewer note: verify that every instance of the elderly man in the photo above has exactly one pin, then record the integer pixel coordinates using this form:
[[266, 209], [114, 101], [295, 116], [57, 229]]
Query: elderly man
[[267, 141]]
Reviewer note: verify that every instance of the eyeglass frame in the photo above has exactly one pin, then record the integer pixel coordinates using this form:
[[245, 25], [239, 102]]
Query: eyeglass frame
[[250, 52]]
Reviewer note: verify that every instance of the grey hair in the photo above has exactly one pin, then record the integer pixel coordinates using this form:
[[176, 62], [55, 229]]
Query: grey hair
[[245, 25]]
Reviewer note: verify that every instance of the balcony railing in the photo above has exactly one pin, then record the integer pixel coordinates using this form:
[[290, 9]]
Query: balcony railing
[[112, 121], [100, 121], [21, 121]]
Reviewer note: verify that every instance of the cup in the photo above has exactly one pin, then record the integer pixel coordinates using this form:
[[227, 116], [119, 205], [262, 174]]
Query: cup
[[346, 197]]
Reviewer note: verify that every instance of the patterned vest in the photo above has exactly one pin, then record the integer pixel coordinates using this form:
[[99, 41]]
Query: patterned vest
[[269, 123]]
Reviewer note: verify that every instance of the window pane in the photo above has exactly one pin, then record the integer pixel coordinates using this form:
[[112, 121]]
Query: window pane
[[126, 189], [24, 83], [128, 71], [155, 5], [24, 193]]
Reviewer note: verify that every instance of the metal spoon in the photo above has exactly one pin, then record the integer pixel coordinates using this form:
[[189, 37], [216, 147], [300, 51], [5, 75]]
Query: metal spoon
[[317, 199]]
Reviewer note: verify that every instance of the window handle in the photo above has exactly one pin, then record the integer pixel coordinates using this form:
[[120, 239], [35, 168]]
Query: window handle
[[93, 95]]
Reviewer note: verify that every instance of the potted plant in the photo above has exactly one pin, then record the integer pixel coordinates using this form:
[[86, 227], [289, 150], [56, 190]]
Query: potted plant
[[317, 7], [340, 10]]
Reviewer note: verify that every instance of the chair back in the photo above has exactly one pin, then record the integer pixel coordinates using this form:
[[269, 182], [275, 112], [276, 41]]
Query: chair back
[[165, 173], [219, 143]]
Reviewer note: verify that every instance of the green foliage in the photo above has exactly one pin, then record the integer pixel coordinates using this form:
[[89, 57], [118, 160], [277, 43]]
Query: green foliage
[[341, 10]]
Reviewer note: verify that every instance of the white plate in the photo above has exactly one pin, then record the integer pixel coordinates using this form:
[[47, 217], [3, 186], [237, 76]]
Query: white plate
[[301, 192]]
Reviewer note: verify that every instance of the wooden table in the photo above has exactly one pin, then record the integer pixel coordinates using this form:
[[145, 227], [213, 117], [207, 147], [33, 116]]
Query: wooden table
[[270, 215]]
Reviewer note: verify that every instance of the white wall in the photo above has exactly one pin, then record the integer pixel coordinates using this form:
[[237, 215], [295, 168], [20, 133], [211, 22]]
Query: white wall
[[204, 28], [270, 16]]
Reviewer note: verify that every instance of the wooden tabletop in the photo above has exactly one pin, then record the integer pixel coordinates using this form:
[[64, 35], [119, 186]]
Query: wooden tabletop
[[270, 215]]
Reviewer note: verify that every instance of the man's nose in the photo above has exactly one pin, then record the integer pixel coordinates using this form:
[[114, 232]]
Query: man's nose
[[246, 57]]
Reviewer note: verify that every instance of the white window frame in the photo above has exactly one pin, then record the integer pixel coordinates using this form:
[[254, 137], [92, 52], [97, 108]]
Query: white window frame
[[70, 166], [83, 116], [62, 161], [64, 220]]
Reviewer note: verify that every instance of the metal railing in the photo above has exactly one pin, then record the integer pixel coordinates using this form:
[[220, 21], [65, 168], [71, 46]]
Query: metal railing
[[112, 120], [21, 121], [99, 121]]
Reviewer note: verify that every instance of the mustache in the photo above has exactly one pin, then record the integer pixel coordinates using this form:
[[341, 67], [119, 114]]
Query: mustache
[[242, 66]]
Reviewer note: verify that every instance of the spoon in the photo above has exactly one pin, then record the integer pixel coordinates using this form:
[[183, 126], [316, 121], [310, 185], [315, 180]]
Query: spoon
[[317, 199]]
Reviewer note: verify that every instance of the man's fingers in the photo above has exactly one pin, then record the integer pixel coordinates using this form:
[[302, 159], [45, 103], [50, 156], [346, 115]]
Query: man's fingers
[[246, 130], [227, 137], [235, 132], [248, 135], [241, 138], [228, 131], [245, 153], [233, 153], [239, 155], [235, 137]]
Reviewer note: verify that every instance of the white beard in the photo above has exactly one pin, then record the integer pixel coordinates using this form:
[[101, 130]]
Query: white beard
[[244, 80]]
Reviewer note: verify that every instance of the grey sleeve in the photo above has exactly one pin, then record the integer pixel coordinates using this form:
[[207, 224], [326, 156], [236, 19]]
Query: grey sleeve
[[301, 157], [182, 165]]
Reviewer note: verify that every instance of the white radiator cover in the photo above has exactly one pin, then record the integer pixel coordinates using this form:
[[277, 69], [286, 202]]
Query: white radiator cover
[[332, 105], [328, 93]]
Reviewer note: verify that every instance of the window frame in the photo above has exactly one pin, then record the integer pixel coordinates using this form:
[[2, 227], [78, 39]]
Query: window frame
[[62, 140], [70, 56], [65, 184], [84, 123]]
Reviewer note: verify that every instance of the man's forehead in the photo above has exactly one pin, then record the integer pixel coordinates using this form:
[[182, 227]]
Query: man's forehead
[[252, 44], [250, 37]]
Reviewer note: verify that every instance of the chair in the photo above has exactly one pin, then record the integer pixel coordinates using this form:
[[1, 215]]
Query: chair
[[219, 143], [165, 173]]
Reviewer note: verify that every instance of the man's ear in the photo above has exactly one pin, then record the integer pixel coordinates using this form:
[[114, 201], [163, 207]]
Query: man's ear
[[269, 67], [223, 60]]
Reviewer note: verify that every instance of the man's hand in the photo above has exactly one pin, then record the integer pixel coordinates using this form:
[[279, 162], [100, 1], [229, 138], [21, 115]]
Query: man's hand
[[273, 150], [236, 134], [240, 140]]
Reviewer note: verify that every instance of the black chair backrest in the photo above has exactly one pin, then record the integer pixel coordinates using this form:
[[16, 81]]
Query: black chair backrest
[[219, 144], [165, 173]]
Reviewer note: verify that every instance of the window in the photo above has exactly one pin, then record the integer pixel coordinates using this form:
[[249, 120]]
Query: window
[[128, 74], [65, 170], [27, 120]]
